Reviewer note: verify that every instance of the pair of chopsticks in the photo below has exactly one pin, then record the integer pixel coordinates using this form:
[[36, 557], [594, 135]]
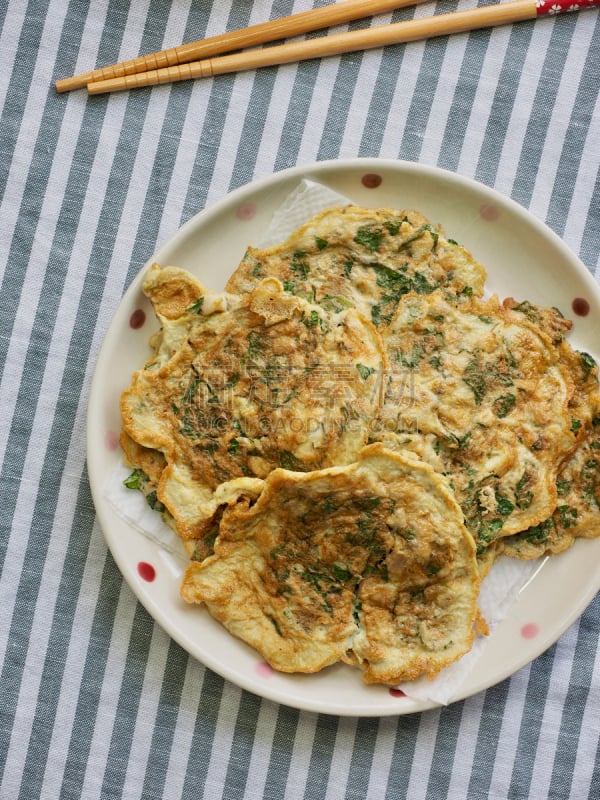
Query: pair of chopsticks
[[194, 60]]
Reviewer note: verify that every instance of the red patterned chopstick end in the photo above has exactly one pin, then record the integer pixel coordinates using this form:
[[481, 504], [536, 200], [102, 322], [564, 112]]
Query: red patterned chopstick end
[[545, 7]]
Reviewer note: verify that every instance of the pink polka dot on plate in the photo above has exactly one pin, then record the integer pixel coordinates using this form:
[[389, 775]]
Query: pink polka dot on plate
[[530, 630], [489, 212], [264, 670], [137, 319], [111, 440], [397, 693], [580, 306], [246, 211], [146, 571], [371, 180]]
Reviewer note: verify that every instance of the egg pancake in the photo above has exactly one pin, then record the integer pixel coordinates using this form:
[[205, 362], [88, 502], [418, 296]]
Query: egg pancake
[[238, 387], [366, 258], [368, 563], [150, 462], [349, 436], [488, 405], [577, 512]]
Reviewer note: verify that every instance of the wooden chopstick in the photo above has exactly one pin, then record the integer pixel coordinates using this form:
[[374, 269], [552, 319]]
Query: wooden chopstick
[[270, 31], [335, 44], [457, 22]]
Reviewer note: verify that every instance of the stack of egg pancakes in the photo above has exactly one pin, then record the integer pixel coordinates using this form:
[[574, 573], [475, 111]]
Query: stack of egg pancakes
[[350, 435]]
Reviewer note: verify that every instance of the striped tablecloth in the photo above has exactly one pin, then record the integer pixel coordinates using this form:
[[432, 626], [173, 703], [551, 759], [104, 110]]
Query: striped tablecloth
[[95, 699]]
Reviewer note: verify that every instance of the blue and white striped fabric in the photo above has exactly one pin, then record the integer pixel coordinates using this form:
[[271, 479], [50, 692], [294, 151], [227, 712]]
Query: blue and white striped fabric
[[95, 700]]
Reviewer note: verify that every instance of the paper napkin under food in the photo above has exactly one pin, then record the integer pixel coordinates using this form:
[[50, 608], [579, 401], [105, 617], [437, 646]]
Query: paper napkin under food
[[308, 199], [499, 589]]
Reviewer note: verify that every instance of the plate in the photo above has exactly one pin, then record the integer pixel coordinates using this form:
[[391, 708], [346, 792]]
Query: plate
[[524, 259]]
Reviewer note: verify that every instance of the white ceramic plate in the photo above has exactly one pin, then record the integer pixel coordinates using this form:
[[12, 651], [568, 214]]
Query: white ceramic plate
[[524, 259]]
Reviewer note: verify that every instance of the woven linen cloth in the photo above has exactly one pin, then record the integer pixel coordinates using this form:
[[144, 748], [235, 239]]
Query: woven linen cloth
[[96, 700]]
